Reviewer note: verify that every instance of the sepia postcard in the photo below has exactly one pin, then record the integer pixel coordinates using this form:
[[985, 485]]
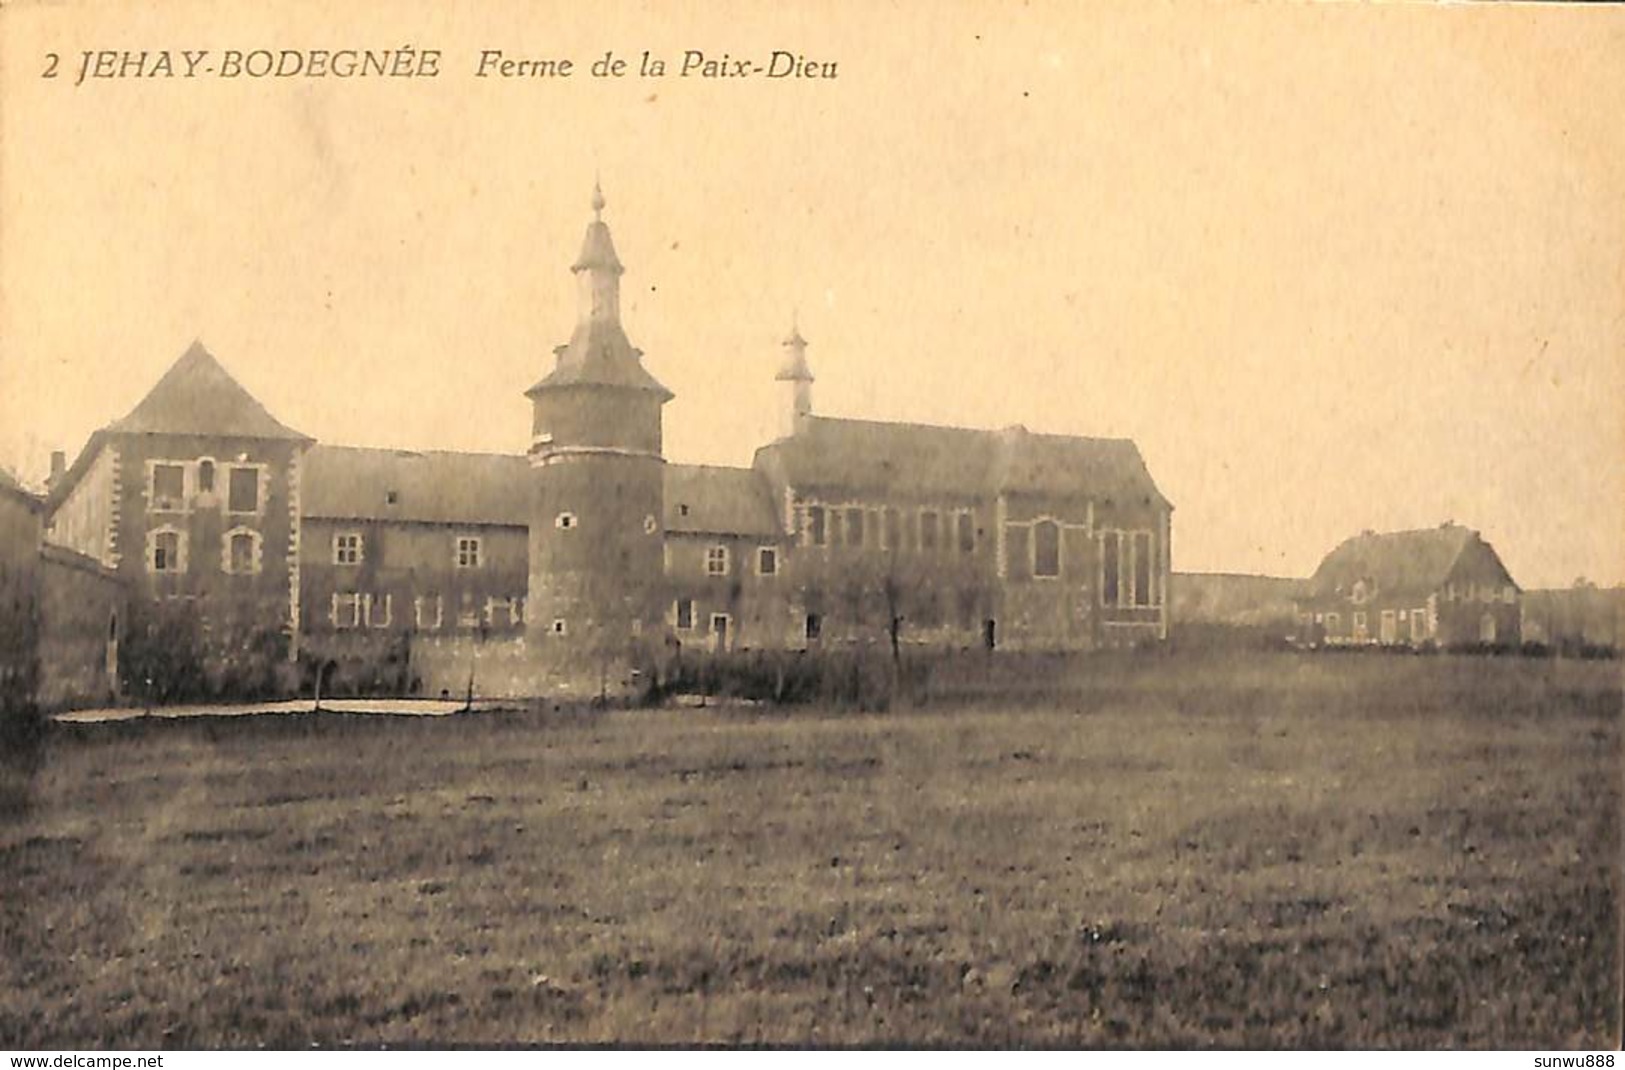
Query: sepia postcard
[[811, 525]]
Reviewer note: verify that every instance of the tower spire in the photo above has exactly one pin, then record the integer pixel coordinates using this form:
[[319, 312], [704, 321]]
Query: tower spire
[[797, 377]]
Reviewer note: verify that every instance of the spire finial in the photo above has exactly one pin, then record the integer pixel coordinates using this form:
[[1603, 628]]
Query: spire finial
[[597, 199]]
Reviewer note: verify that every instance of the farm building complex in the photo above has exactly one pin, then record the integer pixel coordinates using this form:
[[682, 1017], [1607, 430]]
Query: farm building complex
[[1444, 586], [588, 557]]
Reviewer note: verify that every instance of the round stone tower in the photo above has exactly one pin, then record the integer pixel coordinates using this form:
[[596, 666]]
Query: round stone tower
[[595, 609]]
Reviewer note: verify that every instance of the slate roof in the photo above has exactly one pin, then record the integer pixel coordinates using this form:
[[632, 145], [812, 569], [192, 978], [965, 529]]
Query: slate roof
[[197, 396], [434, 487], [599, 353], [1396, 563], [719, 501], [882, 458]]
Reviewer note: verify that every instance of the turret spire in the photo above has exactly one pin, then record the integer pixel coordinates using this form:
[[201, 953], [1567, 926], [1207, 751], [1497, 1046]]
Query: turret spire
[[599, 351], [797, 378]]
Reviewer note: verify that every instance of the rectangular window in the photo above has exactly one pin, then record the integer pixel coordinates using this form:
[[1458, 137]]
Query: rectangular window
[[241, 557], [815, 625], [767, 561], [1046, 549], [892, 525], [928, 531], [854, 527], [1509, 594], [346, 610], [428, 613], [347, 548], [380, 612], [967, 533], [468, 551], [815, 525], [166, 551], [1142, 568], [1108, 568], [685, 614], [168, 487], [243, 492], [716, 561], [1419, 625]]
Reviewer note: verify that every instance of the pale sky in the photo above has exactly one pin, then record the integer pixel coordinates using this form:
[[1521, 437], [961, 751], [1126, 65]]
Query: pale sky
[[1333, 267]]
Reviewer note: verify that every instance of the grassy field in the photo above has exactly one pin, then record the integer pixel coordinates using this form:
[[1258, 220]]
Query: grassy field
[[1261, 850]]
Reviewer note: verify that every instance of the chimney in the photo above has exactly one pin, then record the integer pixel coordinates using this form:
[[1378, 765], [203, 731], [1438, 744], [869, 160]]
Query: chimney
[[59, 468]]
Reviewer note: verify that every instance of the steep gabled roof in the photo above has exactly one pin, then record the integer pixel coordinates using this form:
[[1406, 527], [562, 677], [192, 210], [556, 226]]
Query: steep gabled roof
[[883, 458], [1415, 562], [718, 501], [197, 396], [436, 487]]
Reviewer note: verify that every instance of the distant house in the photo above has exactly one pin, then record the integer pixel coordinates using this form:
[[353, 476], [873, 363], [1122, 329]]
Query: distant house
[[1441, 586]]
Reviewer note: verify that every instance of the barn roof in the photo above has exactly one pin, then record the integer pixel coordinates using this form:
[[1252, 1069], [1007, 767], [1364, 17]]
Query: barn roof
[[1397, 562], [434, 487], [886, 457], [440, 487], [197, 396], [719, 501]]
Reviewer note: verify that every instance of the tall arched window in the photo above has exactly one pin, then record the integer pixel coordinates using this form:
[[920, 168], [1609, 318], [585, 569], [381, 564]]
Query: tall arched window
[[1046, 548]]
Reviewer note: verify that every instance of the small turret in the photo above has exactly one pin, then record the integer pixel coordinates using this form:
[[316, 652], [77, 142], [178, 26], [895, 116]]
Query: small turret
[[796, 394]]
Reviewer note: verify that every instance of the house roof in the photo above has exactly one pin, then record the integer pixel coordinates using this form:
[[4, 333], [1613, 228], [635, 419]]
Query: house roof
[[887, 457], [197, 396], [1397, 562], [10, 487], [718, 501], [434, 487]]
